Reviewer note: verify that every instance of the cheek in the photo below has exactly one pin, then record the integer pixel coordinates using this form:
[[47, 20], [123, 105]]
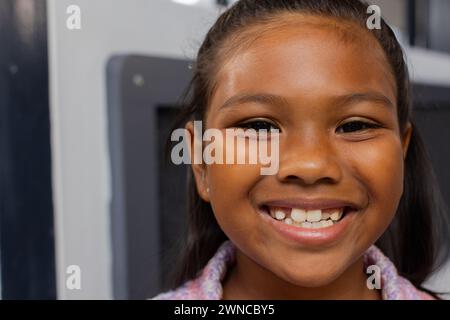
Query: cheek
[[231, 180], [383, 168], [230, 186], [231, 183], [379, 166]]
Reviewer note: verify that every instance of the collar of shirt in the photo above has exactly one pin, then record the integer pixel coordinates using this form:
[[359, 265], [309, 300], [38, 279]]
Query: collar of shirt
[[208, 285]]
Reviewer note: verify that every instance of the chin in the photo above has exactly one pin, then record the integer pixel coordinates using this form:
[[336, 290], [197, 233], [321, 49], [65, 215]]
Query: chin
[[311, 279]]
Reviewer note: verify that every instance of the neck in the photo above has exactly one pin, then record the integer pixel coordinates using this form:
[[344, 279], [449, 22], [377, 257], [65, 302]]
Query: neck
[[247, 280]]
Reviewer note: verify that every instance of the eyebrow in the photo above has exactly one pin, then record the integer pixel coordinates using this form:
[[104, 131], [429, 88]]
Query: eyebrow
[[369, 96], [263, 98], [341, 101]]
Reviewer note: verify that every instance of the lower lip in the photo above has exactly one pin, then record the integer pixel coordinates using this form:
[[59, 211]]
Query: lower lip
[[311, 237]]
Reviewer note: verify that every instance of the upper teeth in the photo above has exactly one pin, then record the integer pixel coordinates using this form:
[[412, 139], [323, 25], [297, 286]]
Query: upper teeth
[[307, 218], [279, 214], [298, 215]]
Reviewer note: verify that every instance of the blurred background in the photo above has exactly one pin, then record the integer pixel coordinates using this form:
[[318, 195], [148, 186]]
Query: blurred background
[[88, 90]]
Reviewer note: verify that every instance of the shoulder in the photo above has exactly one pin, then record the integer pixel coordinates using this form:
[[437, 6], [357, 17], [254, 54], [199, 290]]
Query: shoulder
[[208, 284], [393, 285], [191, 290]]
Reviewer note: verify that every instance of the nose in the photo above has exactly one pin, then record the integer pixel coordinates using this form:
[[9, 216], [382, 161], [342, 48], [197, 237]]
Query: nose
[[309, 161]]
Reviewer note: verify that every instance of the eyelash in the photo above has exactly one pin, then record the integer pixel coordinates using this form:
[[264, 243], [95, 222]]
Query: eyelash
[[259, 125], [368, 125], [255, 123]]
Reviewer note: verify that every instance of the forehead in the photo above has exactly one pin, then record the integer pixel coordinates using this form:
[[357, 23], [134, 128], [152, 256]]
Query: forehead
[[306, 56]]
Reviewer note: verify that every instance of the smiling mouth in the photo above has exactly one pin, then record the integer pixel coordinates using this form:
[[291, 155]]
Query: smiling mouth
[[304, 218]]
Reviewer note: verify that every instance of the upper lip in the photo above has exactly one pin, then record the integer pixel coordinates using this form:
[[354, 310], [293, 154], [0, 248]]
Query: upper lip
[[311, 203]]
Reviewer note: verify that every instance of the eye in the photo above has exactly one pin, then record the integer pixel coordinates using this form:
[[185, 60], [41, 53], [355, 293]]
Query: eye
[[257, 125], [353, 126]]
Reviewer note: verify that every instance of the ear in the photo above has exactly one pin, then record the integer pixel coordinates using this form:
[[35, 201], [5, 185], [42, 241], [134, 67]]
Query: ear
[[199, 169], [406, 138]]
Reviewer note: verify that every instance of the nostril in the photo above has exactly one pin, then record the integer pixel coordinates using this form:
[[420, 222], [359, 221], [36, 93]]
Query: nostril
[[307, 181]]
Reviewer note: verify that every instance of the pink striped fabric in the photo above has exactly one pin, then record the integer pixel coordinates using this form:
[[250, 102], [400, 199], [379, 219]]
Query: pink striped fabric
[[208, 285]]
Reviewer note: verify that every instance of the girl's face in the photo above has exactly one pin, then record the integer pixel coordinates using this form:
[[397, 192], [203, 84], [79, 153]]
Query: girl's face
[[333, 99]]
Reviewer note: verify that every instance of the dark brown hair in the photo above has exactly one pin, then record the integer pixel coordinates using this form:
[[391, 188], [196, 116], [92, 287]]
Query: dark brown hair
[[417, 239]]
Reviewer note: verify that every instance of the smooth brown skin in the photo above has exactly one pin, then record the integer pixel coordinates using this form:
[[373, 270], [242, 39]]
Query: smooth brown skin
[[309, 65]]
